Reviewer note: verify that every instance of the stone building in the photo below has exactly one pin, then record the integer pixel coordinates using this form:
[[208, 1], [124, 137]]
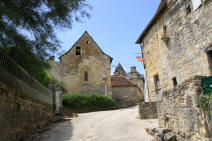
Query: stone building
[[136, 78], [177, 47], [119, 70], [85, 68], [177, 44], [125, 91]]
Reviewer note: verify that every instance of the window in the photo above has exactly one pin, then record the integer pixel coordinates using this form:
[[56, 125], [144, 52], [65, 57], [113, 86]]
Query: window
[[157, 84], [78, 52], [86, 76], [174, 81], [210, 60], [188, 9]]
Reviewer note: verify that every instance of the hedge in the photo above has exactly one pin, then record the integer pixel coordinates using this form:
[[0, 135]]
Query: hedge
[[87, 100]]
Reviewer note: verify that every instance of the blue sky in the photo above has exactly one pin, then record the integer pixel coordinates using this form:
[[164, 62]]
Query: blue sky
[[115, 25]]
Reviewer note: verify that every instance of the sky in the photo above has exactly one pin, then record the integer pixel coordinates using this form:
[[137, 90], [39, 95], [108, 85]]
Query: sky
[[115, 25]]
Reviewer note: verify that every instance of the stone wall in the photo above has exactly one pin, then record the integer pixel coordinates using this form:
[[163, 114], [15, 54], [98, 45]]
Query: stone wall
[[91, 60], [127, 94], [148, 110], [25, 104], [20, 114], [183, 55], [179, 110]]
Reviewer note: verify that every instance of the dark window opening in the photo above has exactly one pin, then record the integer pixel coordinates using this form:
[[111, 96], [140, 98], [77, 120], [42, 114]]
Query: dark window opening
[[86, 76], [164, 29], [188, 9], [157, 84], [78, 51], [88, 42], [174, 81], [210, 60]]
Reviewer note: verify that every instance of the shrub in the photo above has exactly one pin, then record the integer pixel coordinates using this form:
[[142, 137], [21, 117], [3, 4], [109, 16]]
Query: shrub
[[87, 100]]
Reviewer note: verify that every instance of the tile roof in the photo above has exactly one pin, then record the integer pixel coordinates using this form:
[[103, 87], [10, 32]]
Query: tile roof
[[120, 80]]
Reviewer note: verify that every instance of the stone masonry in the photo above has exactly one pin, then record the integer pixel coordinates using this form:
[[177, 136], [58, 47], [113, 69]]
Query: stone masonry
[[177, 44], [85, 68], [179, 110]]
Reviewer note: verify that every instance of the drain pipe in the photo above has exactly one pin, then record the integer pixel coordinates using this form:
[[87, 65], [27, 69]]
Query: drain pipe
[[145, 77]]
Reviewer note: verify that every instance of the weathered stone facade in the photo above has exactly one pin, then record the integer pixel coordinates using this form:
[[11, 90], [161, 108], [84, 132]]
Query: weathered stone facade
[[148, 110], [179, 110], [177, 44], [85, 68]]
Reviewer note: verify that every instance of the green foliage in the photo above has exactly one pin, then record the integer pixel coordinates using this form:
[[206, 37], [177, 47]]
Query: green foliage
[[206, 101], [27, 31], [31, 23], [87, 100]]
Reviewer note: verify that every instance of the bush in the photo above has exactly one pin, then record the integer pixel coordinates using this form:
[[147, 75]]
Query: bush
[[87, 100]]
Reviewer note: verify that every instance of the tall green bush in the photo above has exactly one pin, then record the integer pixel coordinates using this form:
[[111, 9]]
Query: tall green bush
[[87, 100]]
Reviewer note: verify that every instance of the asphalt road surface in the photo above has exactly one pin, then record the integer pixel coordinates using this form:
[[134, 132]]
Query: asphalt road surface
[[114, 125]]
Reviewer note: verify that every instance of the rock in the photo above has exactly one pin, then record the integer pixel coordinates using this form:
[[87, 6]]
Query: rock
[[170, 137]]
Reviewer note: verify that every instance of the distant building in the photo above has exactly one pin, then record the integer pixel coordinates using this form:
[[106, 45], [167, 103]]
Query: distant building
[[177, 44], [137, 78], [119, 70], [125, 91]]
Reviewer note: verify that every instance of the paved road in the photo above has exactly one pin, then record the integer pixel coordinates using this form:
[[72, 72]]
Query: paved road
[[115, 125]]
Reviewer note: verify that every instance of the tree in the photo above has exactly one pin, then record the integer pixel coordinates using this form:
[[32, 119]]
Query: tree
[[37, 18], [27, 30]]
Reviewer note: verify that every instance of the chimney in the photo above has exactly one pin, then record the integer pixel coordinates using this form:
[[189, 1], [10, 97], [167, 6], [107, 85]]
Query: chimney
[[133, 69]]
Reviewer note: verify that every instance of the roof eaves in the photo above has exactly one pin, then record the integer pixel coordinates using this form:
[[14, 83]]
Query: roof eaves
[[161, 7]]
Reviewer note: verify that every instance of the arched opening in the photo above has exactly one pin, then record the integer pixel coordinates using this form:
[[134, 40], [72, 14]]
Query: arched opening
[[86, 76]]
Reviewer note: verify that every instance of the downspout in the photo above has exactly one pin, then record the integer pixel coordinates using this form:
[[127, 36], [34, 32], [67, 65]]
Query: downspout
[[145, 78]]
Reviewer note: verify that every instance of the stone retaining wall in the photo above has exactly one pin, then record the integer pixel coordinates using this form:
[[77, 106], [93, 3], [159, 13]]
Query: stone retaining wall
[[148, 110], [179, 110], [25, 105]]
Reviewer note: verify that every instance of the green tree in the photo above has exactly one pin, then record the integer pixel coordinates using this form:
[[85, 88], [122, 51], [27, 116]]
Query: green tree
[[37, 18], [27, 30]]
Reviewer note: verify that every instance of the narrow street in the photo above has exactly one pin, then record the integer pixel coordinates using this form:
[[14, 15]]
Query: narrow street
[[114, 125]]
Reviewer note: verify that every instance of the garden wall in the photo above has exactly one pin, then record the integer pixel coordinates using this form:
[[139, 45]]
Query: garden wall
[[25, 104]]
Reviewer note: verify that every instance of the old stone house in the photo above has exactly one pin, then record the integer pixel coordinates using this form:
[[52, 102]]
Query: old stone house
[[125, 91], [177, 44], [85, 68], [177, 47]]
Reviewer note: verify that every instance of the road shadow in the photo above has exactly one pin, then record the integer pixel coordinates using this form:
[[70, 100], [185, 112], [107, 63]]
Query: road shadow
[[62, 131]]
